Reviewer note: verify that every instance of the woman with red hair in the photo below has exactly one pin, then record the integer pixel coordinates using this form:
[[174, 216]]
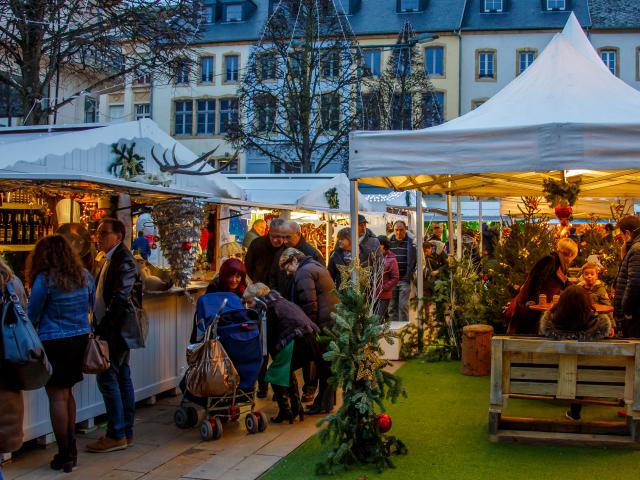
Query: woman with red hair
[[232, 277]]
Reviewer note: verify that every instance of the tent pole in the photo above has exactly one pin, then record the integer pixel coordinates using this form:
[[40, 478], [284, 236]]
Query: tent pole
[[481, 248], [450, 226], [327, 239], [353, 210], [459, 226], [419, 266]]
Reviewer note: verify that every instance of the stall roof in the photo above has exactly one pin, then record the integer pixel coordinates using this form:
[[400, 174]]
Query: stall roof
[[566, 115], [84, 153], [316, 199]]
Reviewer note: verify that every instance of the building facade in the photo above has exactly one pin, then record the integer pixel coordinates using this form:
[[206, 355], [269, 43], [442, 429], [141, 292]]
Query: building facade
[[481, 46]]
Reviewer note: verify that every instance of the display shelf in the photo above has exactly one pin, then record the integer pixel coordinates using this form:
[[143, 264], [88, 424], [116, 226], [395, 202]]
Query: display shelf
[[20, 206], [16, 248]]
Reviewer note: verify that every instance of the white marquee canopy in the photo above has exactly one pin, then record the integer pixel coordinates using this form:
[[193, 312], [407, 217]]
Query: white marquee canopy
[[565, 116]]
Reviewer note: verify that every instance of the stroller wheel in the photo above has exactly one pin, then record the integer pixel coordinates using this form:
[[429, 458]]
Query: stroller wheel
[[262, 421], [217, 427], [192, 415], [206, 431], [251, 422], [181, 418]]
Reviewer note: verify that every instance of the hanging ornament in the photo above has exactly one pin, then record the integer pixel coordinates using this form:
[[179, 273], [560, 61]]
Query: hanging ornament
[[563, 212], [179, 223], [384, 422]]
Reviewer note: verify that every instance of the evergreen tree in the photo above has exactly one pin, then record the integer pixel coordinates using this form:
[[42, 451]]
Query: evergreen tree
[[357, 367]]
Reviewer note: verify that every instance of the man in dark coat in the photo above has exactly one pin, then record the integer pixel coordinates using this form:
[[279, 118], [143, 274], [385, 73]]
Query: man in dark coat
[[117, 313], [278, 279], [404, 248], [369, 244], [262, 251], [258, 229], [626, 302]]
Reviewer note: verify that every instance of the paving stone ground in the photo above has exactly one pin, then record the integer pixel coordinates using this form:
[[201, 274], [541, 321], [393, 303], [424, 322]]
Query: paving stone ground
[[164, 452]]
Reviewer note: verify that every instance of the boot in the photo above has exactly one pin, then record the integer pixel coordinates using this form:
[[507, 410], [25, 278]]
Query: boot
[[324, 402], [294, 394], [62, 461], [284, 407]]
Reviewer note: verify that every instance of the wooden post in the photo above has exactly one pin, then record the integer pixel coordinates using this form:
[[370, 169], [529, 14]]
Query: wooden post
[[476, 350]]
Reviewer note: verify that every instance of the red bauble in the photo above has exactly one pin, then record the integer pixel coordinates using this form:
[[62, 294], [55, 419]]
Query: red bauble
[[384, 422], [563, 212], [186, 246]]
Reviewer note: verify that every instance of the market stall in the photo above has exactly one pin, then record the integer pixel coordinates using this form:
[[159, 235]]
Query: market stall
[[65, 180]]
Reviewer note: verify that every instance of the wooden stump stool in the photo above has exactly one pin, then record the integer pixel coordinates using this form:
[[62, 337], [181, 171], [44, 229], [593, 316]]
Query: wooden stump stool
[[476, 350]]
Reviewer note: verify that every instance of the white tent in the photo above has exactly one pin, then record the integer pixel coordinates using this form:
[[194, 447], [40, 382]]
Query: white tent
[[317, 200], [566, 115], [85, 155]]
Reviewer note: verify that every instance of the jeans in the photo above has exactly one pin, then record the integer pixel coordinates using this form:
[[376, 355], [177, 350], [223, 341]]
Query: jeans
[[119, 399], [400, 302]]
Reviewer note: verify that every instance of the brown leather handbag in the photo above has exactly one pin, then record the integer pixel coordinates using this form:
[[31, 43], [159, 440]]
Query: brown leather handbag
[[96, 355]]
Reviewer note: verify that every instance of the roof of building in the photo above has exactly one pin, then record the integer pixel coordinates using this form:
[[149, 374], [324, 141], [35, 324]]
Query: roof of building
[[615, 13], [372, 17], [524, 15]]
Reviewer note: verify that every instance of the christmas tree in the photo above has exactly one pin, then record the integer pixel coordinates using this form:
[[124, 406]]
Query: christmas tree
[[523, 243], [357, 429]]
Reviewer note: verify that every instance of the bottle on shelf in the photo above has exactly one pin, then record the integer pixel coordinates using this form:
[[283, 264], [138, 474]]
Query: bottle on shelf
[[25, 227], [32, 228], [8, 229], [3, 233], [17, 228]]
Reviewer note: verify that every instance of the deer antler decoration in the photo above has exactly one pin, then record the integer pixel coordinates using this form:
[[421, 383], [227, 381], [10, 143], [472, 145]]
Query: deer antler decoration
[[205, 160]]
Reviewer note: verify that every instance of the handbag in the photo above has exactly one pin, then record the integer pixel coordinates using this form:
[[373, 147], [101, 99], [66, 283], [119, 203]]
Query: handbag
[[24, 359], [96, 356]]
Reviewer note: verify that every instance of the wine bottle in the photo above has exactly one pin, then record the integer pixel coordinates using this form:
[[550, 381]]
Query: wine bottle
[[17, 227], [8, 228], [25, 227], [32, 228]]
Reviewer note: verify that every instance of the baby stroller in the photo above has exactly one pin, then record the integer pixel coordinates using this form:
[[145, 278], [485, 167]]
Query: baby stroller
[[237, 329]]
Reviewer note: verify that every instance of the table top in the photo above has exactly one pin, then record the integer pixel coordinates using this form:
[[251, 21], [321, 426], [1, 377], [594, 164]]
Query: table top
[[547, 306]]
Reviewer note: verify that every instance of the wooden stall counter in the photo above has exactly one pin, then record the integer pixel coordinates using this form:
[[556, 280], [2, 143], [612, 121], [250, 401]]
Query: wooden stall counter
[[157, 368]]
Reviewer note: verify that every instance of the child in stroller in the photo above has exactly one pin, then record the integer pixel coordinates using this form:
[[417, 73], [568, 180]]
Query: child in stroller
[[237, 329]]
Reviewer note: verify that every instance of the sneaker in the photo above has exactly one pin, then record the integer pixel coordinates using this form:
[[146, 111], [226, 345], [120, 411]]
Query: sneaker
[[570, 417], [107, 444]]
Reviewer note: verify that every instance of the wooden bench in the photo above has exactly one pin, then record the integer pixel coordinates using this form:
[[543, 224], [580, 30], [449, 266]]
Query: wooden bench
[[569, 371]]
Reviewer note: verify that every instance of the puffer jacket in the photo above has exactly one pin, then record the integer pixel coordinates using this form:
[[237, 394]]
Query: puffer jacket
[[285, 322], [599, 328], [314, 292], [627, 287], [278, 278]]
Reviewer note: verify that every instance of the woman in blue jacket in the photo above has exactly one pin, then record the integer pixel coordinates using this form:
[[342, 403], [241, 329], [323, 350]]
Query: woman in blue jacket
[[62, 295]]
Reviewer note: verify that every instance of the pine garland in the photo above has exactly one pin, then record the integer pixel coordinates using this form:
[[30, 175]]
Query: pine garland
[[357, 367]]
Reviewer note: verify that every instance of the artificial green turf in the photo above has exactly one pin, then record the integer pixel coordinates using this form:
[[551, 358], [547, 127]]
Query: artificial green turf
[[444, 424]]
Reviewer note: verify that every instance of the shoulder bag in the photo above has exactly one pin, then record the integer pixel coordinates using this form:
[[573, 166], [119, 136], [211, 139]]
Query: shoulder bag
[[96, 356], [24, 361]]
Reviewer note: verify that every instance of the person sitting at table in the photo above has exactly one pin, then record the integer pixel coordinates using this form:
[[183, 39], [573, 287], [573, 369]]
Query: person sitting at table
[[574, 318], [549, 277]]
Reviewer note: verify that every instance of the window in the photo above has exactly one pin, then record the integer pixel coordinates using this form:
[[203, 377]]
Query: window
[[228, 113], [409, 5], [525, 58], [142, 80], [206, 14], [143, 110], [372, 63], [434, 61], [493, 6], [330, 112], [403, 62], [432, 109], [183, 118], [401, 111], [475, 103], [90, 110], [331, 65], [233, 13], [610, 58], [206, 69], [293, 113], [205, 117], [485, 64], [370, 111], [116, 114], [556, 5], [182, 72], [267, 67], [265, 108], [297, 64], [231, 68]]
